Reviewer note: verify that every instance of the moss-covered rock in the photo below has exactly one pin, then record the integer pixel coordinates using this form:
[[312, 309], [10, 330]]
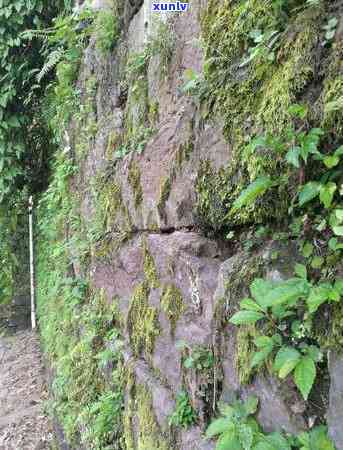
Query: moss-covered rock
[[142, 322], [254, 97], [150, 270], [135, 183], [172, 305], [146, 435]]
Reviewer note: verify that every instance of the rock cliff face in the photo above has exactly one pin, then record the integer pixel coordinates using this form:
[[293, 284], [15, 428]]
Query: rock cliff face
[[150, 160]]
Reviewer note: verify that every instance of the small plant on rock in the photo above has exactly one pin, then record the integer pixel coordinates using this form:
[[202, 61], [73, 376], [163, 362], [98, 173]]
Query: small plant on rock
[[184, 415], [285, 310], [237, 429]]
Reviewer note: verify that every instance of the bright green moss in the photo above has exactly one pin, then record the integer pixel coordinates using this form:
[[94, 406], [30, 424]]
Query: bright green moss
[[142, 431], [129, 412], [172, 304], [330, 335], [142, 321], [150, 270], [244, 270], [111, 212], [332, 97], [252, 99], [150, 436], [243, 352], [165, 189], [110, 202], [135, 183]]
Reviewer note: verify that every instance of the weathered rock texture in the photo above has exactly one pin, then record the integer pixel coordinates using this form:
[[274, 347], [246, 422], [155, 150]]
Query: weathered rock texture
[[171, 283]]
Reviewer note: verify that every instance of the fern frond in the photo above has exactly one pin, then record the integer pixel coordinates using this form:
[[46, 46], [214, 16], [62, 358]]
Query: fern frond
[[53, 59]]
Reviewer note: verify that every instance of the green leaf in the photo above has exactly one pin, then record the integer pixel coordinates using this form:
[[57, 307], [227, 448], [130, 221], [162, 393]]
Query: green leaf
[[319, 439], [339, 150], [246, 317], [338, 230], [339, 286], [304, 375], [339, 214], [292, 156], [297, 110], [229, 441], [260, 357], [317, 262], [249, 304], [318, 296], [250, 405], [335, 245], [300, 270], [218, 426], [307, 250], [326, 194], [286, 360], [278, 441], [263, 341], [245, 436], [331, 161], [286, 292], [259, 289], [188, 363], [309, 192], [250, 194], [314, 353]]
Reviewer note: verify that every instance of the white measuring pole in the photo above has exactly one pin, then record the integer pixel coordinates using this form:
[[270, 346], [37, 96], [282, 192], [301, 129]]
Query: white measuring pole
[[32, 267]]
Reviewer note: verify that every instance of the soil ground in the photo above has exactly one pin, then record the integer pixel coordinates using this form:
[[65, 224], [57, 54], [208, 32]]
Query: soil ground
[[24, 425]]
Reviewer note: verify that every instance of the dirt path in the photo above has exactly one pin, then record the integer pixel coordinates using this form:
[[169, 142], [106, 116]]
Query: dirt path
[[23, 423]]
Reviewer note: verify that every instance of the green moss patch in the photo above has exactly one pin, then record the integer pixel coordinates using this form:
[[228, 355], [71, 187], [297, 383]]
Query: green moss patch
[[253, 98], [150, 270], [172, 305], [142, 321], [135, 183]]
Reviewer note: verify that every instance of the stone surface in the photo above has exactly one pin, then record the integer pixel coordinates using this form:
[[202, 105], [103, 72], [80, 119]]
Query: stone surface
[[164, 222], [335, 412]]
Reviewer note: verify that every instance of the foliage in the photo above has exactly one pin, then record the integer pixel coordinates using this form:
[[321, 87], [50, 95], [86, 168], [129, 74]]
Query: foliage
[[237, 429], [106, 30], [184, 415], [299, 149], [285, 310], [22, 136], [162, 45], [250, 194], [330, 30], [265, 46], [198, 358], [66, 305]]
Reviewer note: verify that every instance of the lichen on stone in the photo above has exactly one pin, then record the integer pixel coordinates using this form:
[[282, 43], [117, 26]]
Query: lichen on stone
[[172, 305], [142, 321]]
